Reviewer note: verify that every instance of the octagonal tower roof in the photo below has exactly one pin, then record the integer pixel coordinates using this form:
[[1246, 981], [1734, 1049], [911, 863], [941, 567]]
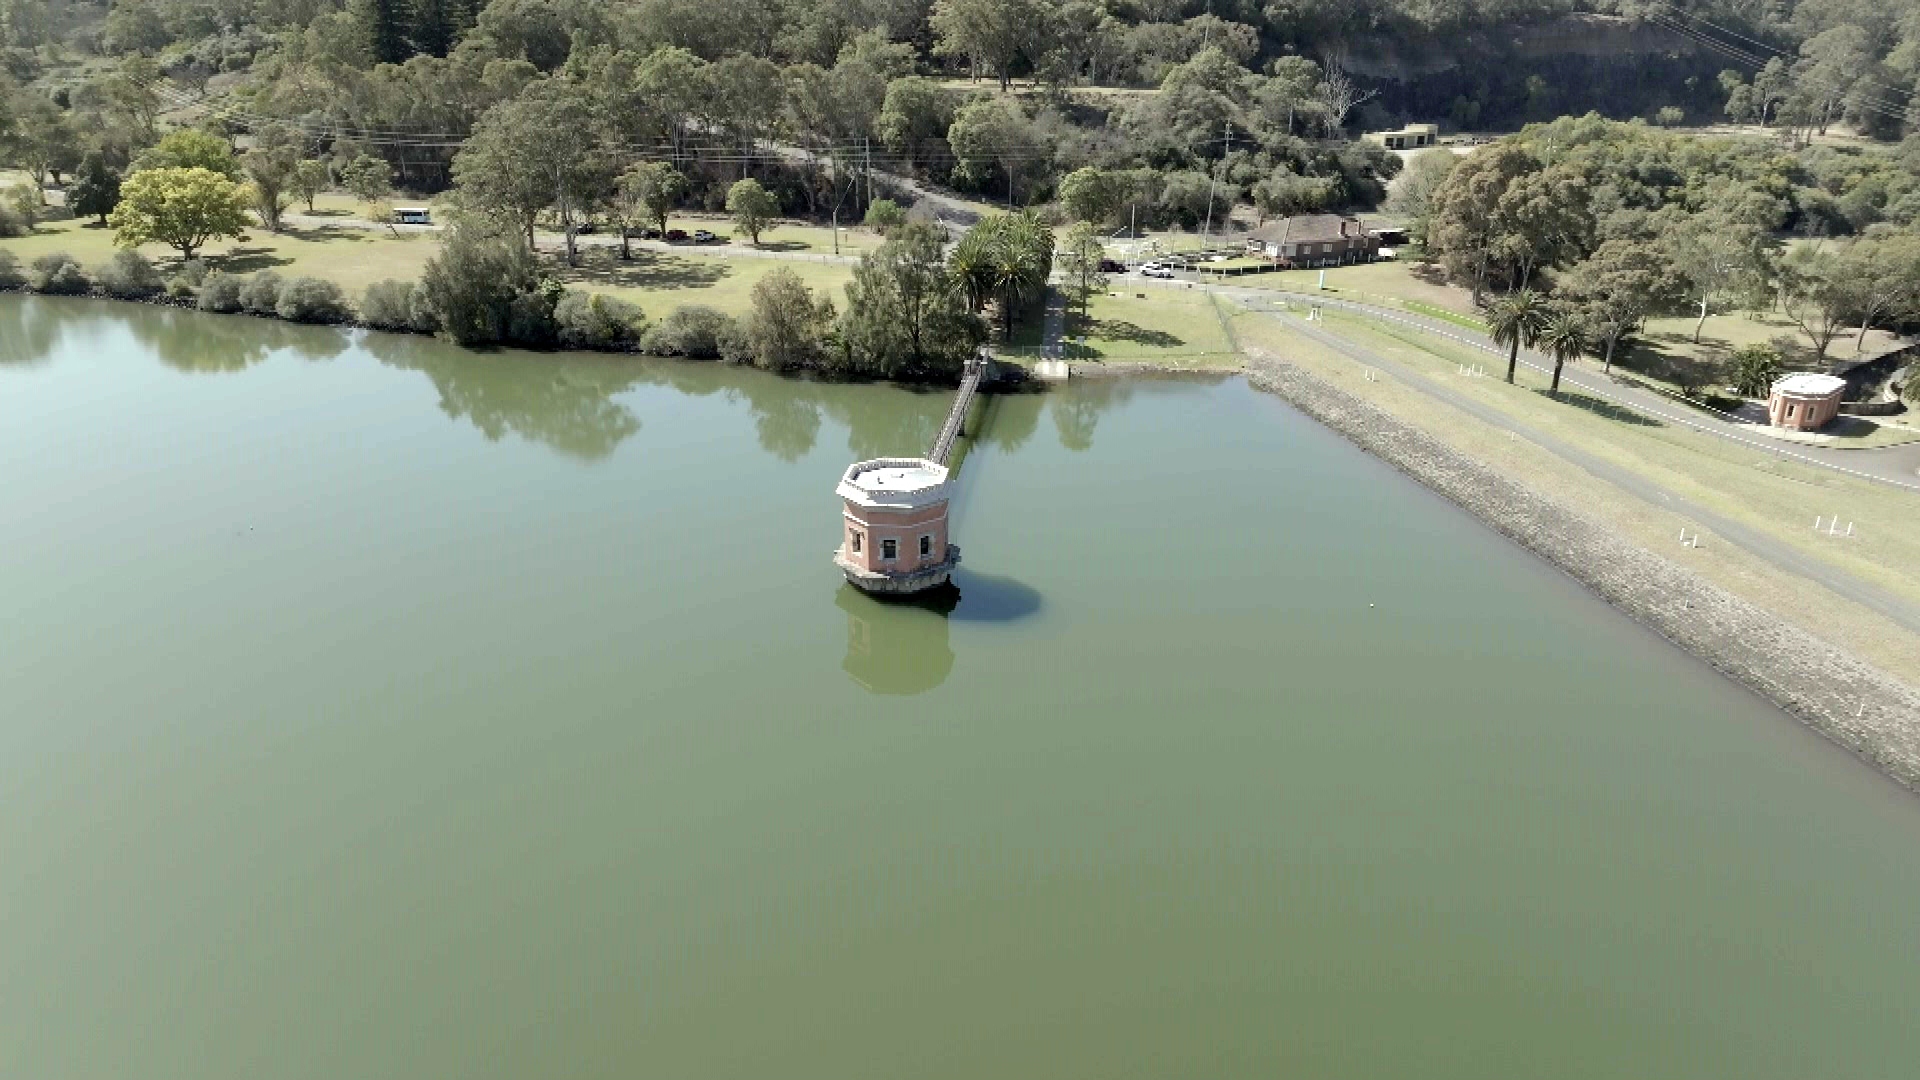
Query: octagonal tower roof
[[894, 483]]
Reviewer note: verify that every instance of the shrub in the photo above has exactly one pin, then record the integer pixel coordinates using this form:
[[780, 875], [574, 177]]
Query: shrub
[[261, 294], [11, 223], [884, 214], [1755, 367], [130, 276], [593, 321], [221, 293], [194, 271], [10, 275], [180, 288], [311, 300], [694, 331], [388, 305], [59, 273]]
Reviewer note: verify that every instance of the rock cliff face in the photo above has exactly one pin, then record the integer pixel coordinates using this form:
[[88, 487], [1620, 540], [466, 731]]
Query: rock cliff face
[[1502, 77], [1592, 36]]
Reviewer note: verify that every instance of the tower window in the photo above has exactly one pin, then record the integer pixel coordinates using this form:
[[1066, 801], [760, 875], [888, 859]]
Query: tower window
[[889, 549], [926, 546], [853, 539]]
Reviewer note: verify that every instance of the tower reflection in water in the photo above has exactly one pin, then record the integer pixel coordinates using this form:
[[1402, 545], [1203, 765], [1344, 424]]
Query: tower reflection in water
[[898, 645]]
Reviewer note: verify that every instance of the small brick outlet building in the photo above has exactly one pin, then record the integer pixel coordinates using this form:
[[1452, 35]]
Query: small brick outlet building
[[1805, 401], [893, 534]]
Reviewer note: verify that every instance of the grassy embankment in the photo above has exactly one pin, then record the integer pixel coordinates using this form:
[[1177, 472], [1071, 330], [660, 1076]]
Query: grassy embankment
[[337, 246], [1775, 497], [1660, 355], [1174, 329]]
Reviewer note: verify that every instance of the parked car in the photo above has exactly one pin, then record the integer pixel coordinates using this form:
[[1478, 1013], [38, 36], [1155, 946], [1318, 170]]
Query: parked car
[[1154, 269], [648, 233], [586, 228], [676, 236], [702, 236], [1112, 266]]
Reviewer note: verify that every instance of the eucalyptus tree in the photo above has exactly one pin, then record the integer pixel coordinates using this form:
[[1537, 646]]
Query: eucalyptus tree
[[534, 153], [907, 315], [1618, 286]]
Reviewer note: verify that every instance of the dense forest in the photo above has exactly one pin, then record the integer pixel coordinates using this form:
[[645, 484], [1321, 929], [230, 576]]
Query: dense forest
[[1134, 112]]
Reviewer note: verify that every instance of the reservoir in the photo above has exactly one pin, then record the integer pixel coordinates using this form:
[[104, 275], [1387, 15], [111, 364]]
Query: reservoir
[[371, 708]]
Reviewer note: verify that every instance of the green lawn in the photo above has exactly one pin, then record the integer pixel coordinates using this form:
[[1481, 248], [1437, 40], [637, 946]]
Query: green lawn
[[1166, 327], [1766, 492], [349, 257], [352, 257]]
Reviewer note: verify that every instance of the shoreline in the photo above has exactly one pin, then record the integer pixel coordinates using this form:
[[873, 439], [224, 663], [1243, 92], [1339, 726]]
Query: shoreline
[[1844, 699]]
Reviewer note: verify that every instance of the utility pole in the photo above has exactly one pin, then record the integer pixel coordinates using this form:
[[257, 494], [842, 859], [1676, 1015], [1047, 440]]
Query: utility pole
[[833, 175], [1213, 180]]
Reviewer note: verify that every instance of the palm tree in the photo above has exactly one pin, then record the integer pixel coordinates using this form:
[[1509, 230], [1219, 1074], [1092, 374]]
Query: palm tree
[[1564, 337], [1514, 320]]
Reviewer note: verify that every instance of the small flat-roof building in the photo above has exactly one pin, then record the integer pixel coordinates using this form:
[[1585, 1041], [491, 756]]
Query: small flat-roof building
[[893, 536], [1411, 137], [1314, 240], [1805, 401]]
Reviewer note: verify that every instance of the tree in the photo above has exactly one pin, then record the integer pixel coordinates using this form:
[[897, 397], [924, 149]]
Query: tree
[[190, 148], [914, 117], [308, 179], [1414, 190], [657, 187], [181, 208], [370, 179], [1089, 194], [1564, 337], [1542, 220], [1755, 367], [1881, 274], [1514, 320], [906, 314], [382, 26], [1717, 253], [484, 287], [269, 169], [753, 207], [787, 325], [1618, 286], [1465, 228], [1338, 96], [989, 134], [1284, 193], [988, 33], [95, 190], [1814, 295], [1007, 257], [885, 214], [1080, 256], [533, 152], [43, 141]]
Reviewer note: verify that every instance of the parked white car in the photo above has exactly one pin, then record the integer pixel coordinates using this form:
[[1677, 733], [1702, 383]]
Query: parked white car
[[1154, 269]]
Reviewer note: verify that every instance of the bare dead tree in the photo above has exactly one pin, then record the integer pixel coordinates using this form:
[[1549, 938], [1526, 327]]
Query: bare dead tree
[[1339, 95]]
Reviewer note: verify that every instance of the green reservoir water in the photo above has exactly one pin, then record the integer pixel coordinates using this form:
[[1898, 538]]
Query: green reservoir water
[[370, 709]]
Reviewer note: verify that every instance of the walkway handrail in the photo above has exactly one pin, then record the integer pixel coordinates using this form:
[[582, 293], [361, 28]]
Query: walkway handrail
[[957, 415]]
